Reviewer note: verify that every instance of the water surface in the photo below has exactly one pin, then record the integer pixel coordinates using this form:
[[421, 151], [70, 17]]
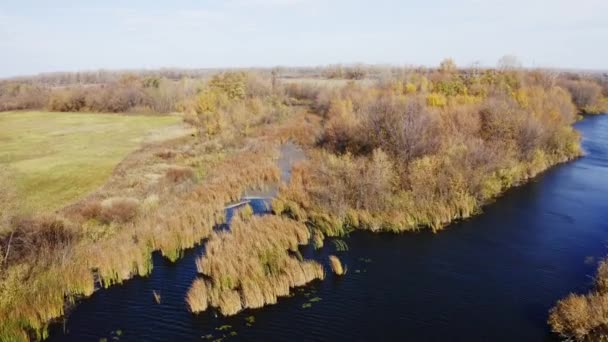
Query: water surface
[[489, 278]]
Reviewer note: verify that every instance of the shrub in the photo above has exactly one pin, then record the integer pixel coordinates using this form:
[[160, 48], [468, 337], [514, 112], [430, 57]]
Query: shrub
[[34, 238], [179, 174], [584, 317], [585, 94], [436, 100], [67, 100], [19, 96], [118, 209], [91, 210], [404, 128], [233, 84], [581, 317]]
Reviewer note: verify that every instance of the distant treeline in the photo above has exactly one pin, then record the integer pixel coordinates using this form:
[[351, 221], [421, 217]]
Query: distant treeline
[[172, 90]]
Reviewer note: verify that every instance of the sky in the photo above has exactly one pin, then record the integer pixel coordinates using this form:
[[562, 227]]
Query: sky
[[60, 35]]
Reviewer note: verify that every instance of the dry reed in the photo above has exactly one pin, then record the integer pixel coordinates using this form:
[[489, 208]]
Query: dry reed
[[336, 265], [251, 265]]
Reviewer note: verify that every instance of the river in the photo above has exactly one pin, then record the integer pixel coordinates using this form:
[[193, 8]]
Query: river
[[490, 278]]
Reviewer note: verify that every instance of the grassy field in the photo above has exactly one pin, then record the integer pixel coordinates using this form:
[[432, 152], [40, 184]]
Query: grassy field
[[59, 157]]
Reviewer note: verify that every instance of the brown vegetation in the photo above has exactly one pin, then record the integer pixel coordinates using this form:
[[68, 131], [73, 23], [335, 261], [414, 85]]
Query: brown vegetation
[[584, 317], [587, 95], [407, 150], [391, 159], [336, 265], [109, 236], [252, 265], [179, 174]]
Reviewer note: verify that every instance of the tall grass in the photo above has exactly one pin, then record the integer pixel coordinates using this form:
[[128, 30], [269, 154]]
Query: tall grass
[[147, 205], [336, 265], [251, 265], [32, 294], [584, 317]]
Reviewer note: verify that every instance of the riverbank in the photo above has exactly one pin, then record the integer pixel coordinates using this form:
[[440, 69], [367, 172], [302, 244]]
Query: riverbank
[[414, 151], [534, 245]]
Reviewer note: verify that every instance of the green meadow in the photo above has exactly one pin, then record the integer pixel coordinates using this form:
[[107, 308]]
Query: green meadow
[[56, 158]]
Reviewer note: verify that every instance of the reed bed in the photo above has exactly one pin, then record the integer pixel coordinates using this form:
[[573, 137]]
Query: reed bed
[[179, 221], [336, 265], [584, 317], [251, 265]]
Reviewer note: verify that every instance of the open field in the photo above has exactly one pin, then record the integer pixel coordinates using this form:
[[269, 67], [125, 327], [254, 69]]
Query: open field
[[58, 157]]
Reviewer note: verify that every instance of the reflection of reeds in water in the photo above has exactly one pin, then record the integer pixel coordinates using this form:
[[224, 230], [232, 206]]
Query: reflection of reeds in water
[[251, 265]]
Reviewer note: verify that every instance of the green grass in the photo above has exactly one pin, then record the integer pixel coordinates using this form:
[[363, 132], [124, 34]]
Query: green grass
[[59, 157]]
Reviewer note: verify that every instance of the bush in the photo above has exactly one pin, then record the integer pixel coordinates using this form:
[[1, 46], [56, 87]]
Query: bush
[[584, 317], [19, 96], [67, 100], [436, 100], [118, 209], [34, 239], [585, 94], [91, 210], [179, 174]]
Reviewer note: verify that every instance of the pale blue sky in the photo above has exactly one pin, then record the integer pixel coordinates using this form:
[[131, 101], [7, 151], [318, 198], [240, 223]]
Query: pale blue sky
[[62, 35]]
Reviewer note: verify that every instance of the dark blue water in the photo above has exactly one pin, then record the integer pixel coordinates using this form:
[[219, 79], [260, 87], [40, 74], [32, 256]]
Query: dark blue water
[[490, 278]]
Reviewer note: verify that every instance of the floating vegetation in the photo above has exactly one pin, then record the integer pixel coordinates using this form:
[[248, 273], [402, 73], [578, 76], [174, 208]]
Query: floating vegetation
[[156, 296], [336, 265], [233, 333], [207, 337], [316, 299], [224, 327], [252, 265], [341, 245], [306, 305], [365, 260], [250, 319]]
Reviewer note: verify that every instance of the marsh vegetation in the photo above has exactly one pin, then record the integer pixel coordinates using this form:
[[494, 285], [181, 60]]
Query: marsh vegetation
[[584, 317], [387, 150]]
